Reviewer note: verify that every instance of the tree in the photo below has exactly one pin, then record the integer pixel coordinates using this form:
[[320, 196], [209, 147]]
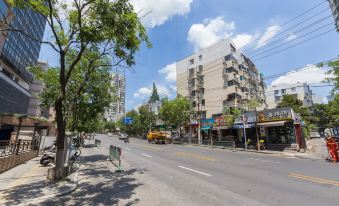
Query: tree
[[297, 106], [176, 112], [334, 74], [146, 118], [130, 129], [110, 126], [155, 96], [112, 27]]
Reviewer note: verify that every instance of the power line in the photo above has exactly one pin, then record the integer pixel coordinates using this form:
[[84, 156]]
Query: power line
[[294, 45], [291, 34], [299, 37], [289, 21]]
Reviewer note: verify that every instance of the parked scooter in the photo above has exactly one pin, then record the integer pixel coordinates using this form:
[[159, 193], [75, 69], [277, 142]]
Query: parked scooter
[[49, 155], [254, 145]]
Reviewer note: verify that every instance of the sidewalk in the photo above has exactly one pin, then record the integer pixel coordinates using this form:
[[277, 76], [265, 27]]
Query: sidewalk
[[292, 154], [27, 183]]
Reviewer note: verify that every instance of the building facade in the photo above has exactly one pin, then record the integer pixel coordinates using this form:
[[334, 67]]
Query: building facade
[[18, 53], [117, 108], [301, 91], [35, 88], [218, 76], [334, 4]]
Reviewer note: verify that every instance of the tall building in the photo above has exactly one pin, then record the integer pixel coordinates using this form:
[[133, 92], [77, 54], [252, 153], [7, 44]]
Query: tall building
[[301, 91], [18, 53], [35, 88], [6, 15], [117, 108], [218, 76], [334, 4]]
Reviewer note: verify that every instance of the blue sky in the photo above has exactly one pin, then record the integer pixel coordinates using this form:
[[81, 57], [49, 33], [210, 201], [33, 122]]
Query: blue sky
[[177, 28]]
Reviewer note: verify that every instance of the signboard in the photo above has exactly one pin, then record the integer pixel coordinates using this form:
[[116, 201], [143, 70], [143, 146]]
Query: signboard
[[207, 123], [285, 113], [128, 120], [250, 118], [223, 120]]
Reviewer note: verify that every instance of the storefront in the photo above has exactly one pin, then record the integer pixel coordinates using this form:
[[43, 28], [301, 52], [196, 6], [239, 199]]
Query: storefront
[[280, 126], [249, 125], [206, 128]]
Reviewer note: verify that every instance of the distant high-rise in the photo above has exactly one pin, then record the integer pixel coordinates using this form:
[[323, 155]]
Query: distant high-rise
[[117, 108], [18, 53], [334, 4]]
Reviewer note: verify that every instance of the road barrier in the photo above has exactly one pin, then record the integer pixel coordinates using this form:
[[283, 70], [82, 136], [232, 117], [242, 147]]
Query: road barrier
[[115, 155], [97, 142]]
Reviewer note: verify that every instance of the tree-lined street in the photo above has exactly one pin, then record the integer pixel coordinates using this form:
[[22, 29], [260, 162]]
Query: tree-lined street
[[188, 175]]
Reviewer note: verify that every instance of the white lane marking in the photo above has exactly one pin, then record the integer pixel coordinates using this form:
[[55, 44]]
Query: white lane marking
[[146, 155], [128, 148], [262, 160], [186, 168]]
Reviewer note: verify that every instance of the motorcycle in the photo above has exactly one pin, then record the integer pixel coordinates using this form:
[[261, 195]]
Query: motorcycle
[[49, 156], [254, 145]]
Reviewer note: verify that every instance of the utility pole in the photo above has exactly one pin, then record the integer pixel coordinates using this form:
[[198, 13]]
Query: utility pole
[[198, 117]]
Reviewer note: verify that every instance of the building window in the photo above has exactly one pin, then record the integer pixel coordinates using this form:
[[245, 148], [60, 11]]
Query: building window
[[193, 93], [200, 67], [200, 57], [191, 61], [194, 104], [203, 102], [283, 91], [293, 89], [277, 99]]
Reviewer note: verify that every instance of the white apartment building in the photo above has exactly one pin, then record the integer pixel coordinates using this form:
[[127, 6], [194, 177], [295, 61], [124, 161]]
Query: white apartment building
[[117, 108], [301, 91], [218, 76]]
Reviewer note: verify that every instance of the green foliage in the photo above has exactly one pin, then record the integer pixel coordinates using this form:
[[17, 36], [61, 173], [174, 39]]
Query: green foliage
[[333, 111], [297, 106], [334, 73], [110, 126], [155, 96], [176, 112], [146, 118], [131, 129]]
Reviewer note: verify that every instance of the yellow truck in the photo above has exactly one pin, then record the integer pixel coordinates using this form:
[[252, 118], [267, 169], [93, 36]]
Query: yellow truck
[[157, 137]]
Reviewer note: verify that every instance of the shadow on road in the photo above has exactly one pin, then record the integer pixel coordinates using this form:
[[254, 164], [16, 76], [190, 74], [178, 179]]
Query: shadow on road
[[100, 185]]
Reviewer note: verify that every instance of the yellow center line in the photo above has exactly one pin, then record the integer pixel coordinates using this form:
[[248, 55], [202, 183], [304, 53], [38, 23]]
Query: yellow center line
[[314, 179], [195, 156]]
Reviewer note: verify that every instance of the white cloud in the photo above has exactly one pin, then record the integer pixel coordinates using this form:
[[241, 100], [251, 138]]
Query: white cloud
[[209, 32], [170, 72], [313, 74], [241, 40], [270, 32], [145, 92], [157, 12]]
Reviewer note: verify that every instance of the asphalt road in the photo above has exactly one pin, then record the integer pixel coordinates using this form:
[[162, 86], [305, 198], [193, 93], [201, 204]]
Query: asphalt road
[[189, 175]]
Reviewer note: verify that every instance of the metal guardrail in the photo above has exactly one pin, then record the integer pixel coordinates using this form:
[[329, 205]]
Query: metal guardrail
[[8, 148], [115, 155]]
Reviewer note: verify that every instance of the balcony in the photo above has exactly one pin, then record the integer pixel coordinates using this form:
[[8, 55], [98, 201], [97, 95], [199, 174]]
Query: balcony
[[230, 57]]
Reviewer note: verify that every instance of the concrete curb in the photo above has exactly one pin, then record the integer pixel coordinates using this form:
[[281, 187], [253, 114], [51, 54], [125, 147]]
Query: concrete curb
[[286, 154], [74, 186]]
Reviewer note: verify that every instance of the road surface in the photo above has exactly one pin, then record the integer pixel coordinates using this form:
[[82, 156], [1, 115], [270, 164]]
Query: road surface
[[189, 175]]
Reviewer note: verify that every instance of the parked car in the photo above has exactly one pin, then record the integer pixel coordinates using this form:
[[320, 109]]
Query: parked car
[[315, 134]]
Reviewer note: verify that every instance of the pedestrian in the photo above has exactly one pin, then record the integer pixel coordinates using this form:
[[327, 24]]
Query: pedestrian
[[331, 145]]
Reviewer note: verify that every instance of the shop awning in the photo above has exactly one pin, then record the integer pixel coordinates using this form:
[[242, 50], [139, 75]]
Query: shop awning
[[272, 124], [241, 126]]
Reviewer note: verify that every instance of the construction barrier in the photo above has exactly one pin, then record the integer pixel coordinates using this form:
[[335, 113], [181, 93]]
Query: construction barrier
[[115, 155]]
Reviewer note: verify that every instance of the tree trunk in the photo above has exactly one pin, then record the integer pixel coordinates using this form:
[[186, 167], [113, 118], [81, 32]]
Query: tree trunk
[[60, 161], [59, 164]]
